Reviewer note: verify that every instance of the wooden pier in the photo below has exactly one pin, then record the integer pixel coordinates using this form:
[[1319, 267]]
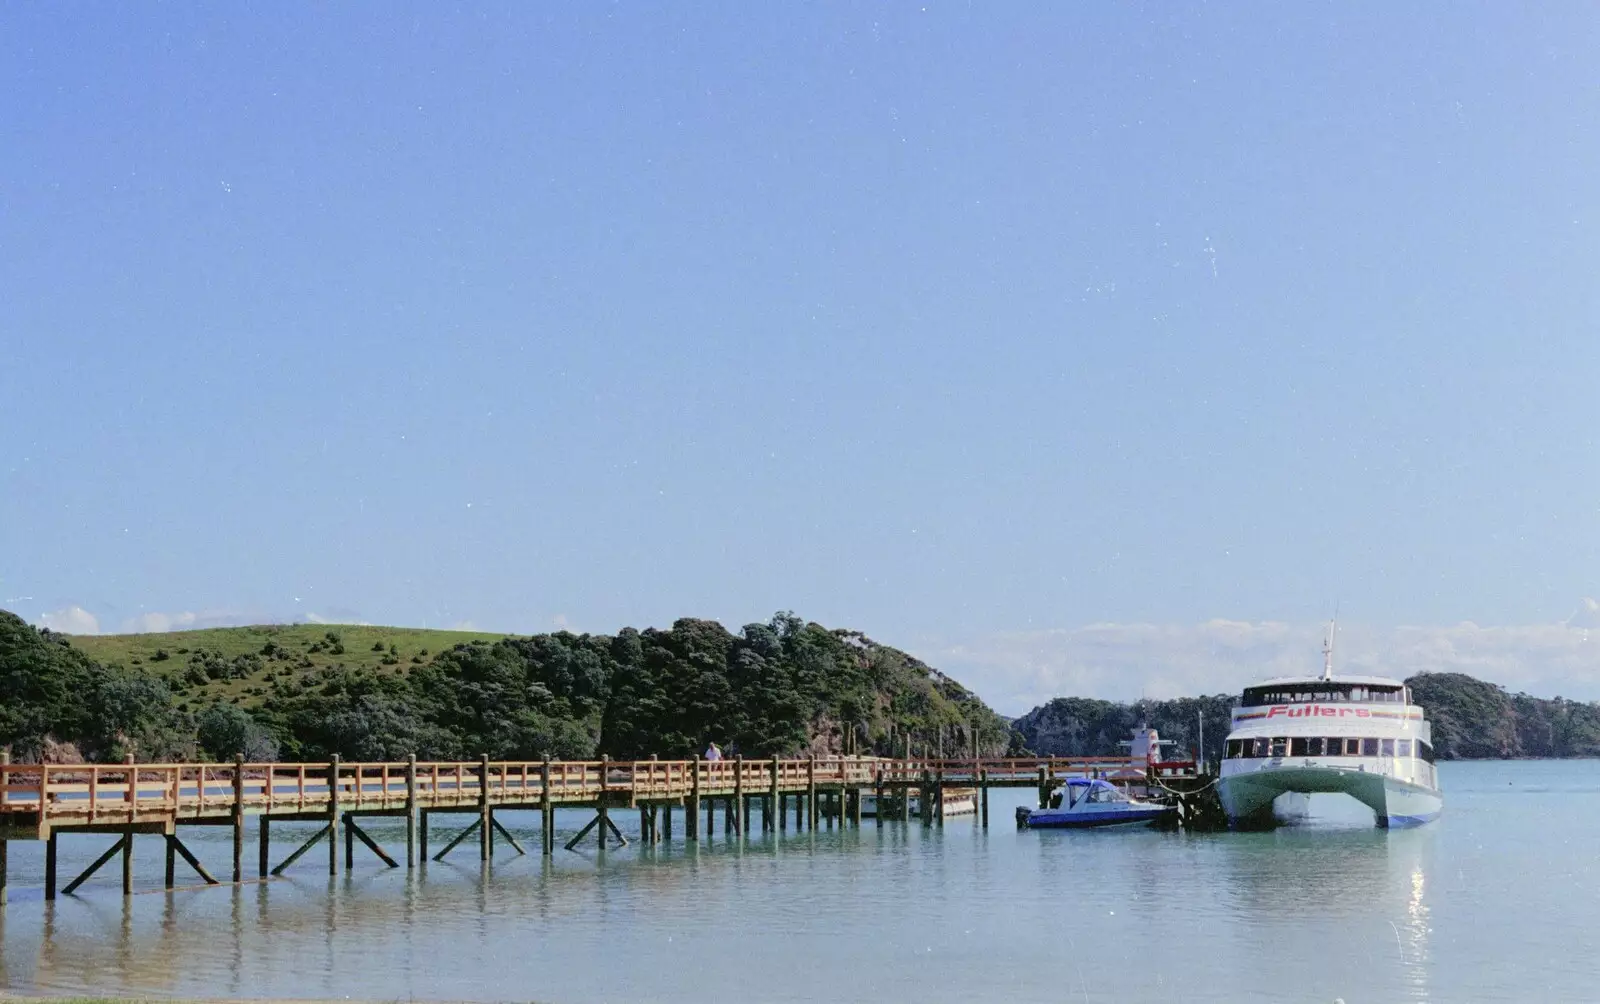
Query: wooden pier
[[127, 800]]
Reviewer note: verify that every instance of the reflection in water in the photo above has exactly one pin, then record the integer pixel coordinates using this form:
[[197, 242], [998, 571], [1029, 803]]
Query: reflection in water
[[1303, 913], [1304, 889], [1415, 953]]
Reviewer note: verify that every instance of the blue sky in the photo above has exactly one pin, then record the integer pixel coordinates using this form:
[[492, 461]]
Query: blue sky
[[954, 323]]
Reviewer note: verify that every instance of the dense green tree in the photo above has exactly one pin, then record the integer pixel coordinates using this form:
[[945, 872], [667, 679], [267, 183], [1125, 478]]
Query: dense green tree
[[227, 730], [43, 686]]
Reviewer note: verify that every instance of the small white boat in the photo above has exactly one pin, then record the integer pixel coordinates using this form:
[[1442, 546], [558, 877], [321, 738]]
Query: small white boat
[[1084, 802], [957, 802]]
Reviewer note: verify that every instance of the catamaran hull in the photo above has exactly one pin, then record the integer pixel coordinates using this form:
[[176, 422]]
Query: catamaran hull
[[1247, 796]]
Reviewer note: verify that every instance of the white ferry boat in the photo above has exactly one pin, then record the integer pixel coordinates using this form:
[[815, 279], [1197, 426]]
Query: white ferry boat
[[1359, 735]]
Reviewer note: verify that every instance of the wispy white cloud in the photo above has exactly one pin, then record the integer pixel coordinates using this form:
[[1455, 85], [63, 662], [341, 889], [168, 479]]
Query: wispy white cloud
[[334, 617], [155, 621], [71, 620], [1019, 670]]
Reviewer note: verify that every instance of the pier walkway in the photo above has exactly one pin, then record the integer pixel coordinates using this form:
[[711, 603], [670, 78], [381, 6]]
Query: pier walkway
[[122, 800]]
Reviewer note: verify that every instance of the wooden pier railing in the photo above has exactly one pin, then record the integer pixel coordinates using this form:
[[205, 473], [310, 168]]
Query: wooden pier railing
[[117, 792], [38, 802]]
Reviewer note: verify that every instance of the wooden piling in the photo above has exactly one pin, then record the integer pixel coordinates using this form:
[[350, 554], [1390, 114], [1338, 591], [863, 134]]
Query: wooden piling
[[905, 793], [238, 817], [812, 810], [411, 811], [734, 823], [485, 819], [333, 815], [691, 811], [983, 796], [422, 837], [5, 779], [132, 776], [264, 851], [171, 873], [1044, 787], [855, 808], [547, 812], [711, 817], [127, 863], [50, 865], [666, 822], [774, 817]]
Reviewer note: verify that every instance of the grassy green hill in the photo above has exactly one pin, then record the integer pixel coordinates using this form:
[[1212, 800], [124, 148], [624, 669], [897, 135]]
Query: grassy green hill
[[239, 664], [368, 693]]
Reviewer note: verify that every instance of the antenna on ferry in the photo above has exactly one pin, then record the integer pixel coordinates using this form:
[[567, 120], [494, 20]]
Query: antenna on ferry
[[1327, 647]]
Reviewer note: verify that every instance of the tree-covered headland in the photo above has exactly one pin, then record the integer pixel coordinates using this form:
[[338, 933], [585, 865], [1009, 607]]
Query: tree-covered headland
[[785, 687], [302, 692], [1471, 719]]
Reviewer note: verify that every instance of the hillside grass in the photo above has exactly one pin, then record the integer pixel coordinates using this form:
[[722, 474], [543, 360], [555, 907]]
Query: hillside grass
[[300, 647]]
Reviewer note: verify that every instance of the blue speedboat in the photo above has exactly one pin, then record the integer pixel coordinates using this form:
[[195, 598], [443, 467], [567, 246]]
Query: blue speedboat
[[1091, 802]]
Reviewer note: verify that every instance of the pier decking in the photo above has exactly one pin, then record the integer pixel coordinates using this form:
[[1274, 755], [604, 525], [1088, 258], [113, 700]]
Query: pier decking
[[122, 800]]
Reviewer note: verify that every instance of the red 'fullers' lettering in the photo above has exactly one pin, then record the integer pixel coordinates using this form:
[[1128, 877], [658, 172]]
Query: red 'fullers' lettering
[[1315, 711]]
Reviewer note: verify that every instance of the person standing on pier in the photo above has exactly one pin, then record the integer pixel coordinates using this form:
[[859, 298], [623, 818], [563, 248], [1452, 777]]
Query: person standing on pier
[[713, 752]]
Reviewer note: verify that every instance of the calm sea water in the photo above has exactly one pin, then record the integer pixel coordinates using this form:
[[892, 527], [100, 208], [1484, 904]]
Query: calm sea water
[[1497, 901]]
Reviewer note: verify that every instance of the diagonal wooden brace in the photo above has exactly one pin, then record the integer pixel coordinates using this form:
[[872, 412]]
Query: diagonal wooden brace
[[102, 859], [372, 845], [464, 834], [507, 834], [291, 859], [584, 832], [194, 862]]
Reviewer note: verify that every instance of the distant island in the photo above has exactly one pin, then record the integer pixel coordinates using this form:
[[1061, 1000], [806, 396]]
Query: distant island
[[785, 687], [306, 692], [1471, 720]]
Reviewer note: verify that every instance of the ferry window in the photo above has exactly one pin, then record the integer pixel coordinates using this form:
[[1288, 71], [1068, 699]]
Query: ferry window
[[1352, 747], [1234, 751], [1260, 747], [1388, 747], [1280, 746], [1369, 747], [1314, 746], [1402, 747], [1297, 746], [1425, 751], [1358, 694]]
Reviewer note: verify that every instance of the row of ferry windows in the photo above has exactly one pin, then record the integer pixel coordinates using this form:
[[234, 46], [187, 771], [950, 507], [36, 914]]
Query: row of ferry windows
[[1327, 693], [1263, 747]]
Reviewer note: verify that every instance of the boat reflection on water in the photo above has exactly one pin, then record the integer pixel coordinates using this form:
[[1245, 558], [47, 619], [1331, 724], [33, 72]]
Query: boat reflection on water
[[1335, 880]]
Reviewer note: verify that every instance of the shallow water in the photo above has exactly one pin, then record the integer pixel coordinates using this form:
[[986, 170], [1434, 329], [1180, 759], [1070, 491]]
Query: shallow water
[[1496, 901]]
